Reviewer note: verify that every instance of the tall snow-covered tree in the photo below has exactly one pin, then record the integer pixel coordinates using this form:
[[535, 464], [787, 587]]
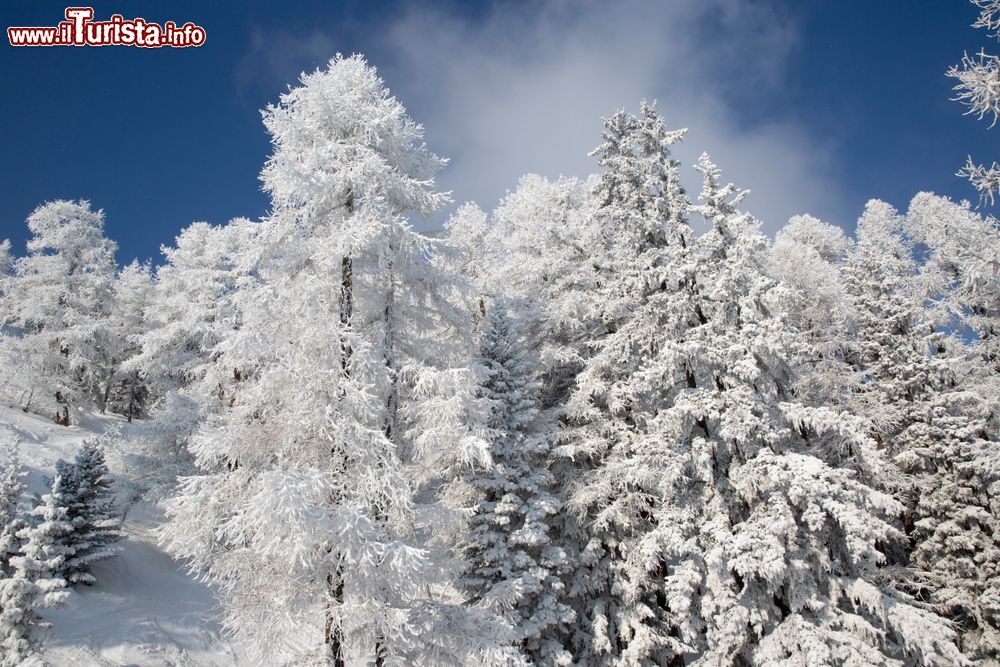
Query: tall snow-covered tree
[[917, 391], [58, 301], [90, 509], [512, 558], [306, 514], [33, 582], [721, 524]]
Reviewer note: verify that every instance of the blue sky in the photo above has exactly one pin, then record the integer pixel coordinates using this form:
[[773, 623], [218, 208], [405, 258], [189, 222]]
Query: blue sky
[[815, 106]]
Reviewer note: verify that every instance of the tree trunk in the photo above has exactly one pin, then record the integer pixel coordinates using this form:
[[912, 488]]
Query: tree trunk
[[346, 309], [107, 392], [392, 401], [333, 631], [131, 395]]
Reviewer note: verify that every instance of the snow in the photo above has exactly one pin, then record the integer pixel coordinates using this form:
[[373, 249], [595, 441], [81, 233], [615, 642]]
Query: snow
[[145, 609]]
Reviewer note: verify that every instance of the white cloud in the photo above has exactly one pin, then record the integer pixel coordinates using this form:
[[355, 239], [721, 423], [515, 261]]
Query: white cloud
[[522, 87]]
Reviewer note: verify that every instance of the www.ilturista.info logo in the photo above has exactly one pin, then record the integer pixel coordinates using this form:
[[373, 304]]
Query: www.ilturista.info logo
[[79, 29]]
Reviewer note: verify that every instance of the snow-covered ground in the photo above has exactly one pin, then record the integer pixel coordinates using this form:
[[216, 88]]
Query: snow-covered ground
[[145, 610]]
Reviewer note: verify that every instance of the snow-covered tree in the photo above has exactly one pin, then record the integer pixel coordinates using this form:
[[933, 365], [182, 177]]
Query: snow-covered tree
[[194, 309], [918, 392], [978, 88], [11, 488], [33, 582], [722, 526], [6, 262], [961, 273], [90, 508], [808, 258], [306, 513], [125, 392], [543, 248], [58, 302], [513, 563]]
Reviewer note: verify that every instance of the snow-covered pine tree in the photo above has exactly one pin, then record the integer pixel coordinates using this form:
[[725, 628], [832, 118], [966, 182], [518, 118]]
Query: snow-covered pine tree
[[33, 582], [918, 391], [638, 195], [90, 509], [511, 556], [306, 513], [58, 302], [11, 488], [721, 528]]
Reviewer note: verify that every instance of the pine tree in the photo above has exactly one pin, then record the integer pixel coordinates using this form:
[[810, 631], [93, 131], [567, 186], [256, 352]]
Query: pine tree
[[90, 509], [725, 523], [512, 558], [640, 205], [916, 392], [34, 583], [11, 487]]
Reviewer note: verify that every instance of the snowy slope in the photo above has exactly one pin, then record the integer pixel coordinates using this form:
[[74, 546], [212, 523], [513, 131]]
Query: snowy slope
[[145, 610]]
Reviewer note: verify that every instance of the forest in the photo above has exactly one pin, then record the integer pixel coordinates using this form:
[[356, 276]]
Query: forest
[[608, 422]]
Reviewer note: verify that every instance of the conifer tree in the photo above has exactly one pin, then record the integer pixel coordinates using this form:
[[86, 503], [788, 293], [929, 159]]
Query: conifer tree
[[722, 523], [512, 556], [90, 509], [11, 487], [916, 392], [33, 582]]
